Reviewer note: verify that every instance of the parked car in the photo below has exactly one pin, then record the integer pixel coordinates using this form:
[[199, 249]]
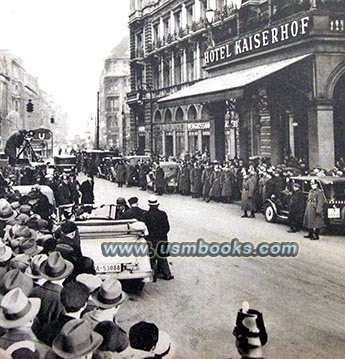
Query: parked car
[[170, 175], [65, 163], [333, 188]]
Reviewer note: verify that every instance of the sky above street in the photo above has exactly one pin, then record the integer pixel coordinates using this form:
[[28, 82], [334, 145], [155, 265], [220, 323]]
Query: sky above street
[[64, 44]]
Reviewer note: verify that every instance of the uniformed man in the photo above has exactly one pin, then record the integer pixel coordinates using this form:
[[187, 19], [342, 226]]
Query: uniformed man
[[313, 215]]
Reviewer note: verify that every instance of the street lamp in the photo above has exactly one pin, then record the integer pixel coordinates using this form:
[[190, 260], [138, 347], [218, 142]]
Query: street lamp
[[209, 20]]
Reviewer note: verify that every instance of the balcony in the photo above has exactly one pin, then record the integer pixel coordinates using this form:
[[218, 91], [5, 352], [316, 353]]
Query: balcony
[[137, 55]]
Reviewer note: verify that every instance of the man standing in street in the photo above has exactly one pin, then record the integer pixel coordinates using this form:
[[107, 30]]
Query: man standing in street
[[158, 226], [313, 219], [296, 209], [87, 192], [134, 212]]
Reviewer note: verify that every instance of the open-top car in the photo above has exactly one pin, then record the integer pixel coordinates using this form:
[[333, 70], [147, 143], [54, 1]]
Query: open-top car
[[333, 188], [100, 234]]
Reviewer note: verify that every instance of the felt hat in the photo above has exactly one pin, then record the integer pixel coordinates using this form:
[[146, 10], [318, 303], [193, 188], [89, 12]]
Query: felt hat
[[5, 252], [25, 208], [22, 219], [16, 279], [20, 262], [55, 267], [133, 200], [109, 294], [28, 246], [153, 201], [6, 211], [16, 309], [33, 270], [93, 282], [76, 339]]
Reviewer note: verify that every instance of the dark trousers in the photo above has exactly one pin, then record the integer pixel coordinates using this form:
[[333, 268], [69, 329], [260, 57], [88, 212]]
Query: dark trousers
[[160, 266]]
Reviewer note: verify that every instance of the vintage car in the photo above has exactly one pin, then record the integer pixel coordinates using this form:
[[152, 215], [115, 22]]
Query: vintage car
[[101, 229], [170, 175], [133, 160], [333, 188], [65, 163]]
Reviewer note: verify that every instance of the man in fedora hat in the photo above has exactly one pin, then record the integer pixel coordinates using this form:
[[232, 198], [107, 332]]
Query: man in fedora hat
[[107, 300], [313, 215], [296, 208], [55, 269], [147, 341], [17, 313], [16, 279], [158, 226], [77, 340], [5, 254], [7, 214], [134, 212]]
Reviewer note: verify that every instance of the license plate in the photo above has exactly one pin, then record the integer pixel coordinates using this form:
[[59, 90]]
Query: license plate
[[109, 268], [333, 212]]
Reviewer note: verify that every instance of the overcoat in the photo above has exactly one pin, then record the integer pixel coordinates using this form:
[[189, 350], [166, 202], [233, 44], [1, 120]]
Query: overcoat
[[121, 173], [216, 190], [159, 178], [206, 180], [313, 215], [247, 197], [195, 180], [226, 180], [296, 207]]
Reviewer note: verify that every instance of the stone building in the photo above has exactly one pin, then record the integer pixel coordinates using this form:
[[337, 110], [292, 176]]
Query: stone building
[[246, 78], [114, 112]]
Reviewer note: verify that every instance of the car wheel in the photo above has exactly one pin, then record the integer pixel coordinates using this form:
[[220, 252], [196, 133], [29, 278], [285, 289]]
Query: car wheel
[[270, 214], [132, 285]]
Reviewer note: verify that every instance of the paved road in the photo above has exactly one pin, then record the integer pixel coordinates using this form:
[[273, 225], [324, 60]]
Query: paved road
[[302, 298]]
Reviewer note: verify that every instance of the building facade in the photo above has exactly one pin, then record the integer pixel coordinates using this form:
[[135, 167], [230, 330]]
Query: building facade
[[17, 87], [257, 78], [114, 112]]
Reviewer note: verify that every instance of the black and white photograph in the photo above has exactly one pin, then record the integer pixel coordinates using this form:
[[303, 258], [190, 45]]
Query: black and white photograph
[[172, 179]]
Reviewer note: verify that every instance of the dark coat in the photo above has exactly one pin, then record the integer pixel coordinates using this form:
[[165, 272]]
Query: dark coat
[[121, 173], [206, 180], [226, 180], [296, 207], [247, 198], [133, 213], [216, 190], [159, 178], [313, 215], [87, 195], [195, 180], [157, 224], [63, 195], [185, 179], [42, 206]]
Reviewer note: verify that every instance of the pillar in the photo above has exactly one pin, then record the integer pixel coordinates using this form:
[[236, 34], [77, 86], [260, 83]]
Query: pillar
[[184, 66], [216, 112], [197, 62], [163, 144], [200, 141], [183, 16], [174, 143], [321, 135], [186, 139], [172, 69]]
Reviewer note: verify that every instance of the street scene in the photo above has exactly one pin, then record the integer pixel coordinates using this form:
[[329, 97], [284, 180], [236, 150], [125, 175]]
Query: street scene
[[172, 179]]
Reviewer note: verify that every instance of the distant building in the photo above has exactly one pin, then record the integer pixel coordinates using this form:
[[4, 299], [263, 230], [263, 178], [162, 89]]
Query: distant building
[[17, 87], [114, 112]]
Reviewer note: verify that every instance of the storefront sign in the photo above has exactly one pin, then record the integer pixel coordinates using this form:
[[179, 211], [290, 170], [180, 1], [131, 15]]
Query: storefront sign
[[199, 126], [171, 127], [268, 37]]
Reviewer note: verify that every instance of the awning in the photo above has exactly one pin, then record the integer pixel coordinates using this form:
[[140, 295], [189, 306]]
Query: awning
[[230, 85]]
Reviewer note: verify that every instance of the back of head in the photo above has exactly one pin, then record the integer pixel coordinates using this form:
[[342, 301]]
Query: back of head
[[74, 296]]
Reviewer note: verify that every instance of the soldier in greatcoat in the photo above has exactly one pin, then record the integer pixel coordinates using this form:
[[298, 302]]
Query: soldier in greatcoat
[[313, 215], [206, 180], [247, 197], [216, 189], [226, 180], [195, 181], [296, 209]]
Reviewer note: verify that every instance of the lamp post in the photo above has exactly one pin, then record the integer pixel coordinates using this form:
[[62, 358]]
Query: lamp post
[[142, 92], [209, 20]]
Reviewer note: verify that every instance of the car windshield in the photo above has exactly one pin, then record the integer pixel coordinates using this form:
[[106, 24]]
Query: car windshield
[[335, 191]]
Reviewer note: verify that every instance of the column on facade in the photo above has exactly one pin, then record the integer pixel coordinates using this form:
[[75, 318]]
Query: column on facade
[[216, 112], [321, 135], [197, 62], [174, 143], [186, 139], [200, 140], [163, 143], [184, 65], [197, 8], [292, 134], [161, 28], [162, 73], [183, 16], [243, 109], [172, 23], [172, 69]]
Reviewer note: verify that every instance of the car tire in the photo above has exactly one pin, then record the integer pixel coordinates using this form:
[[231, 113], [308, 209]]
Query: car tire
[[132, 285], [270, 214]]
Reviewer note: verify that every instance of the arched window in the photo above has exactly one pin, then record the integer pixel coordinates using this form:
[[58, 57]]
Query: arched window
[[167, 117], [179, 115], [158, 117], [192, 113]]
